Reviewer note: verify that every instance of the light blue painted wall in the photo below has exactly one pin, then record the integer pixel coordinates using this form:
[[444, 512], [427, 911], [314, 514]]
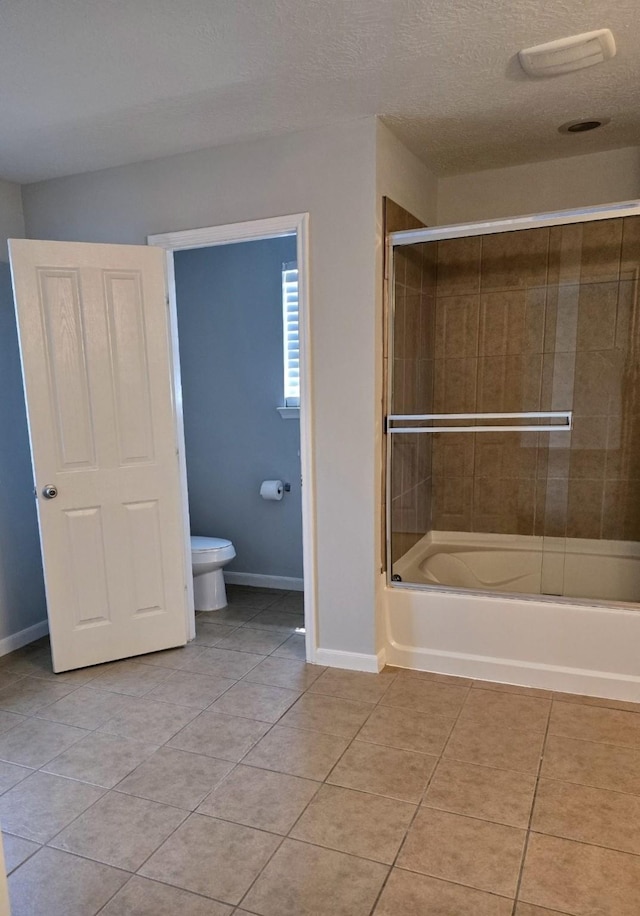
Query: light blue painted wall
[[22, 600], [230, 330]]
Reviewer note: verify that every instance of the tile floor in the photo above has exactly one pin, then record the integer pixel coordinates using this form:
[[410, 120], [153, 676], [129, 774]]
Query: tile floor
[[231, 777]]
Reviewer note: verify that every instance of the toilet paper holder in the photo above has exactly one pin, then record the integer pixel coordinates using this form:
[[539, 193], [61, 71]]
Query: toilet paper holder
[[286, 487]]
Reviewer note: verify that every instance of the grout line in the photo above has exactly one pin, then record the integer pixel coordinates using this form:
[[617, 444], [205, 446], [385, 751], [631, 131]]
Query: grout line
[[420, 803], [525, 847]]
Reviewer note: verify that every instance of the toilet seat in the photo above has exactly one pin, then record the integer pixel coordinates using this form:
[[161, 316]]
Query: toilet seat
[[203, 548]]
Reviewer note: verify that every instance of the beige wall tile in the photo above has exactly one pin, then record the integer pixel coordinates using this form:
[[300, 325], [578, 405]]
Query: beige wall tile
[[458, 266], [513, 260], [601, 251]]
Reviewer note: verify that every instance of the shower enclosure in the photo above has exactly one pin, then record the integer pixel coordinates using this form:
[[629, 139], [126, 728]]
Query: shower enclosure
[[513, 407]]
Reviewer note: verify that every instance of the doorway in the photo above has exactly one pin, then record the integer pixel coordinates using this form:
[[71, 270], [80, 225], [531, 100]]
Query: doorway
[[182, 253]]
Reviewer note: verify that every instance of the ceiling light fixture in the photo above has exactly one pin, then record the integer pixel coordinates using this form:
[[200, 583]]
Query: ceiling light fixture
[[580, 127], [568, 54]]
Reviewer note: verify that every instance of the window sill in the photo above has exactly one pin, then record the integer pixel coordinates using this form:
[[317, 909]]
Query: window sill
[[289, 413]]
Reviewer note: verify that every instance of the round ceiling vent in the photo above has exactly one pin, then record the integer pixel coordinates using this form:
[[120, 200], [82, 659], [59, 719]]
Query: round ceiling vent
[[583, 125]]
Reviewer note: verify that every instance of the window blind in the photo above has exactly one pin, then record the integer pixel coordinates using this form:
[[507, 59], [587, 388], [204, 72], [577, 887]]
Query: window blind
[[290, 334]]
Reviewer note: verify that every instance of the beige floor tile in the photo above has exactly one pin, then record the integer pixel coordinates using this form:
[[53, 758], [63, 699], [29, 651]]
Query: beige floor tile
[[583, 700], [355, 822], [224, 663], [525, 909], [8, 678], [174, 777], [260, 798], [464, 850], [149, 720], [278, 621], [231, 615], [212, 857], [119, 830], [294, 647], [17, 851], [508, 710], [35, 742], [332, 715], [513, 688], [425, 696], [297, 752], [450, 680], [495, 746], [409, 894], [208, 634], [38, 664], [85, 708], [260, 642], [58, 884], [591, 723], [250, 597], [9, 720], [255, 701], [354, 685], [291, 602], [303, 880], [384, 771], [185, 688], [579, 879], [603, 766], [130, 678], [406, 729], [30, 694], [142, 897], [41, 805], [503, 796], [171, 658], [588, 815], [11, 774], [216, 735], [102, 760], [285, 672]]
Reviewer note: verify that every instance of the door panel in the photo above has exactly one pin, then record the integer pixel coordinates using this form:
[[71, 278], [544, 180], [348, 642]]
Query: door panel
[[95, 345]]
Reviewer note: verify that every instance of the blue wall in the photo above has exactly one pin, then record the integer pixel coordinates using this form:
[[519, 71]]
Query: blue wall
[[230, 329], [22, 601]]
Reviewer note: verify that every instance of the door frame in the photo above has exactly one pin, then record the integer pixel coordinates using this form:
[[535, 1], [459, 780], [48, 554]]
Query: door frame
[[229, 234]]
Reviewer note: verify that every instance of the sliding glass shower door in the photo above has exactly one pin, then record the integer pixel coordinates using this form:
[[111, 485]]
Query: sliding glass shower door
[[514, 408]]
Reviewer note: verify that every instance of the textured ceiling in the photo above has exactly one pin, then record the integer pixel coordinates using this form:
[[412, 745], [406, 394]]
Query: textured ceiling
[[87, 84]]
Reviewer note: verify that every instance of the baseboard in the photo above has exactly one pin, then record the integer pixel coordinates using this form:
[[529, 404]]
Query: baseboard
[[23, 637], [524, 674], [353, 661], [286, 583]]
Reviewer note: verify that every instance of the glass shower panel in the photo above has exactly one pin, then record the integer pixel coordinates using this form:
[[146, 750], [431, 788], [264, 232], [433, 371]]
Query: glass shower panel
[[510, 330]]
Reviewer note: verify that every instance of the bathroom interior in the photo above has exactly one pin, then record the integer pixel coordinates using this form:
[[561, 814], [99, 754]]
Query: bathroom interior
[[537, 331], [239, 432]]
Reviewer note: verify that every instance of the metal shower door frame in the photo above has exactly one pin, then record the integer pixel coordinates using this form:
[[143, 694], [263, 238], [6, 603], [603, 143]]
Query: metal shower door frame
[[456, 231]]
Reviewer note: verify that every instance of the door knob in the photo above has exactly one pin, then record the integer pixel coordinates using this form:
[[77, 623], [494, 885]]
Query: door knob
[[50, 492]]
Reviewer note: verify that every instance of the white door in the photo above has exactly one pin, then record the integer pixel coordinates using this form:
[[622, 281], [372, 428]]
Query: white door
[[95, 344]]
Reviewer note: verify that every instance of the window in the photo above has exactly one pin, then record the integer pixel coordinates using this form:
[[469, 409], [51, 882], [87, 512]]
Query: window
[[290, 335]]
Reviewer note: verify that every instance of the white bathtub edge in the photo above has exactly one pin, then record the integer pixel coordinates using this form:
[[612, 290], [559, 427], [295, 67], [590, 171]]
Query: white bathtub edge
[[353, 661], [523, 674]]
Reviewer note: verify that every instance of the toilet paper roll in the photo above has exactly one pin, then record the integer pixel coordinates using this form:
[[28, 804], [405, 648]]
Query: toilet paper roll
[[271, 489]]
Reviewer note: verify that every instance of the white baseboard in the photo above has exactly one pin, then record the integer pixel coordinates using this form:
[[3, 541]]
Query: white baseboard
[[507, 671], [353, 661], [23, 637], [286, 583]]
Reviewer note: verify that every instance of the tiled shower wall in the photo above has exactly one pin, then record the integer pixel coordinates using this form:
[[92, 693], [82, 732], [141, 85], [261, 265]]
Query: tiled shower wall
[[543, 319]]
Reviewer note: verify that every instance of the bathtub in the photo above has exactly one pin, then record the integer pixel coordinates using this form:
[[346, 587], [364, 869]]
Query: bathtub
[[558, 614], [518, 564]]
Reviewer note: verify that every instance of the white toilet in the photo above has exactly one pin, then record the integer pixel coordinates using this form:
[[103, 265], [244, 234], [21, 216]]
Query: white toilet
[[208, 556]]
